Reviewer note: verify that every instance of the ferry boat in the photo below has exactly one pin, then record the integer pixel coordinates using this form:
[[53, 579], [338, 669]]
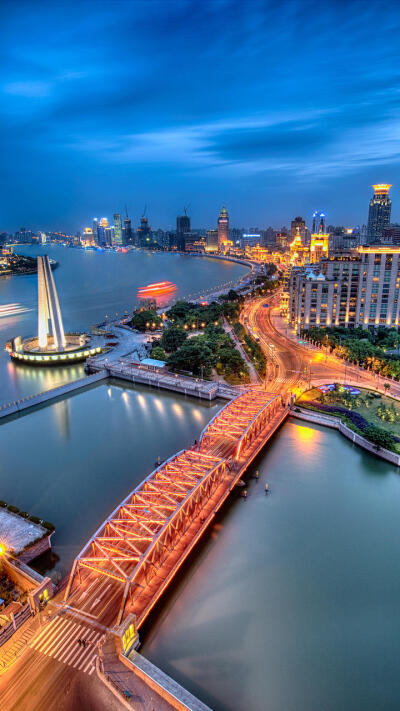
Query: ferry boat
[[12, 310], [160, 288]]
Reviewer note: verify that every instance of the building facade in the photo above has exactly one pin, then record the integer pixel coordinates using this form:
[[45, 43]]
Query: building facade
[[380, 207], [361, 289], [223, 231], [117, 237]]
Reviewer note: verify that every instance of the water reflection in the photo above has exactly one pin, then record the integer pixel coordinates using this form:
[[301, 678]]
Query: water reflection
[[295, 590], [62, 418]]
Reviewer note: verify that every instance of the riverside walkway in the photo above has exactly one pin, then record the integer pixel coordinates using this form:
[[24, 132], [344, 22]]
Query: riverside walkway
[[134, 555]]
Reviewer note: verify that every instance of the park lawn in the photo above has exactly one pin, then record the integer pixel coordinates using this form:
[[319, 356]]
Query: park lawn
[[369, 413]]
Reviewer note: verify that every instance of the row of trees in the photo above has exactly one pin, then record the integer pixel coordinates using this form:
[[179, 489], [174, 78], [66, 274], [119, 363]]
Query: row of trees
[[361, 347]]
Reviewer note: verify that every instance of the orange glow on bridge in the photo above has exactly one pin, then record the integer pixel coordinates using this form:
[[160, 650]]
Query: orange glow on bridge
[[147, 537]]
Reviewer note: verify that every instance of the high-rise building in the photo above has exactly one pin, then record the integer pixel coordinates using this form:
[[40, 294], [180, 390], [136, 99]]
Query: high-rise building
[[319, 246], [223, 230], [143, 233], [318, 222], [127, 236], [182, 229], [117, 229], [380, 207], [357, 289], [212, 241], [298, 229]]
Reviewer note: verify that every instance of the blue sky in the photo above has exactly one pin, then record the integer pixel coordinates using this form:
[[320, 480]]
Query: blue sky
[[272, 108]]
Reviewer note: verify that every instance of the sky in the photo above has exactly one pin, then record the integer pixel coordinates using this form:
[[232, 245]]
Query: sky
[[274, 109]]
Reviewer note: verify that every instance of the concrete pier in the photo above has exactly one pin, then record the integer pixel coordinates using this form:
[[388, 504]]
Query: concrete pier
[[15, 406]]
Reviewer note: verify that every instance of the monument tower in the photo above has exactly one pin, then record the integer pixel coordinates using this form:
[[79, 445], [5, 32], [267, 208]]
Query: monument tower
[[49, 312]]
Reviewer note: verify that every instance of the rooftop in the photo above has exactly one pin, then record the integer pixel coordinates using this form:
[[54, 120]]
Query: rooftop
[[17, 532]]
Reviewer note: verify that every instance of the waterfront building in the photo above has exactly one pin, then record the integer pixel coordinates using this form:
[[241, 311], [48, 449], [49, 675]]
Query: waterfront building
[[380, 207], [117, 229], [354, 289], [212, 241], [223, 231]]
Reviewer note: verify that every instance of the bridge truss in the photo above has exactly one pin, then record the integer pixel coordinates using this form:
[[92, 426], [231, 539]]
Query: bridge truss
[[132, 544], [240, 421]]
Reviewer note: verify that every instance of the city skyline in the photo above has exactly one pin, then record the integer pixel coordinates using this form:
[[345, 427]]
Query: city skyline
[[159, 107]]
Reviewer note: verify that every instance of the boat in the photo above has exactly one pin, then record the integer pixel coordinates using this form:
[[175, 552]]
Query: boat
[[12, 310], [160, 288]]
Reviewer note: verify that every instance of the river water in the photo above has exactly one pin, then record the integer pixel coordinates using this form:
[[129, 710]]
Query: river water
[[291, 603], [92, 286]]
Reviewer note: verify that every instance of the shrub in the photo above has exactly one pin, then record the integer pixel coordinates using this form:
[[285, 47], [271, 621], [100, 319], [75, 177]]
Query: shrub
[[49, 526], [34, 519], [13, 509]]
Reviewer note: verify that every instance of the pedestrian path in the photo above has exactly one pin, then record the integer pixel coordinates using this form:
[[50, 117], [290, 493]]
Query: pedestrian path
[[62, 640]]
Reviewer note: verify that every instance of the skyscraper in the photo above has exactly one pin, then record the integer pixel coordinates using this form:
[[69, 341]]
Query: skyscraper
[[117, 229], [380, 206], [298, 229], [318, 225], [182, 229], [128, 237], [223, 230]]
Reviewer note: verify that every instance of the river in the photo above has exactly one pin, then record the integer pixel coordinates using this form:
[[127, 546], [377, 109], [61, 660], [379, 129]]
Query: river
[[92, 286], [290, 603]]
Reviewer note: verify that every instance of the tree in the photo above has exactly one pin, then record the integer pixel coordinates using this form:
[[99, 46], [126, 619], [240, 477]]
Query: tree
[[379, 437], [194, 355], [387, 387], [173, 338], [158, 353], [145, 320]]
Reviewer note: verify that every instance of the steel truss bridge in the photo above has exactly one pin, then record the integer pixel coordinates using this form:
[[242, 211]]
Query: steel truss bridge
[[127, 564]]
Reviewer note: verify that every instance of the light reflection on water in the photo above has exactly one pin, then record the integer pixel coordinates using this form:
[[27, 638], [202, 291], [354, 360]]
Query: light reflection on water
[[292, 595]]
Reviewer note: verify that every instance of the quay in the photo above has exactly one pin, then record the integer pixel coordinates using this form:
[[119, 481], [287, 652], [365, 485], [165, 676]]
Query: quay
[[145, 375], [16, 406]]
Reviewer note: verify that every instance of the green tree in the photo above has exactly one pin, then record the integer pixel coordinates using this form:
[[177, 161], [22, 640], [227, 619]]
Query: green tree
[[158, 353], [173, 338], [379, 437], [194, 356], [387, 387], [144, 320]]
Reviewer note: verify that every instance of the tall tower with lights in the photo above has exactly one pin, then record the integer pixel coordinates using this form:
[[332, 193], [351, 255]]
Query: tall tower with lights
[[223, 230], [380, 207]]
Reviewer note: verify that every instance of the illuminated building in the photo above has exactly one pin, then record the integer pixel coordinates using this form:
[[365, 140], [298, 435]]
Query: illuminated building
[[117, 229], [380, 207], [357, 289], [212, 241], [298, 229], [88, 239], [318, 224], [319, 247], [223, 231], [49, 312]]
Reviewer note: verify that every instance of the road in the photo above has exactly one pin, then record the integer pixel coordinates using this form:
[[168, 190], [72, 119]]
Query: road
[[56, 673], [293, 367]]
